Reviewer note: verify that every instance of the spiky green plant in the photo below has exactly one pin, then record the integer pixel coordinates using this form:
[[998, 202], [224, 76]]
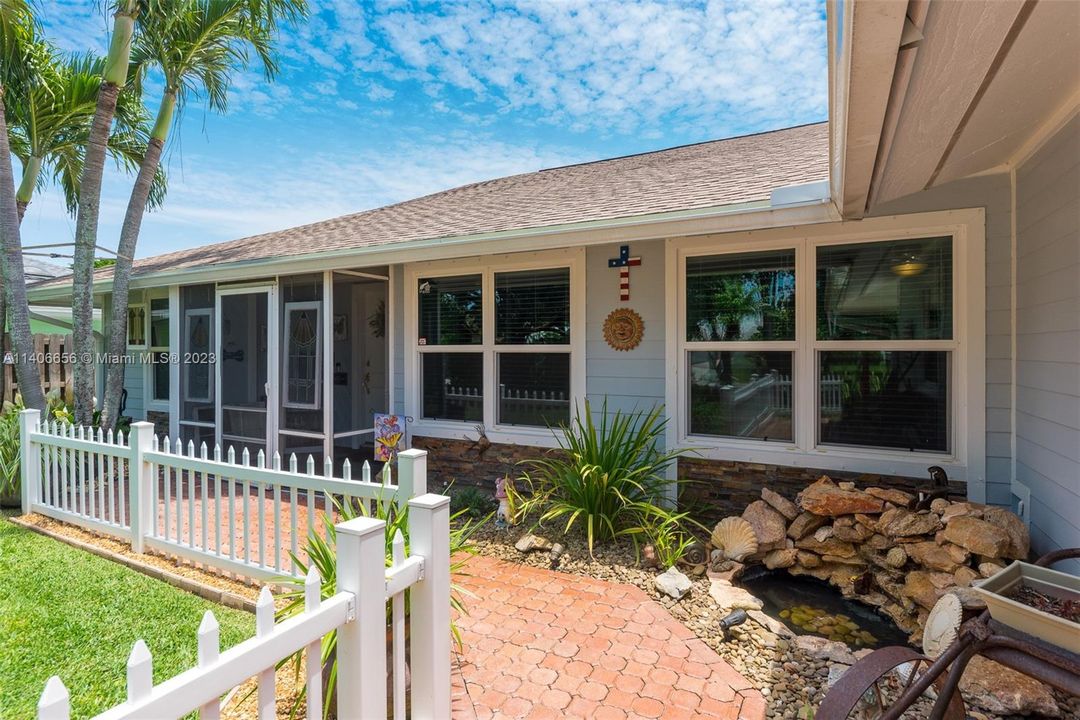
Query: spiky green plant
[[610, 476], [10, 453], [322, 555]]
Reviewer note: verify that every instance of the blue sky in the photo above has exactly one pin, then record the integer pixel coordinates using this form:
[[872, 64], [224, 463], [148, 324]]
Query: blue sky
[[378, 103]]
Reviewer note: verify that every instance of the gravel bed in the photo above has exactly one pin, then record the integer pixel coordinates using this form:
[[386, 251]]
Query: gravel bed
[[792, 681]]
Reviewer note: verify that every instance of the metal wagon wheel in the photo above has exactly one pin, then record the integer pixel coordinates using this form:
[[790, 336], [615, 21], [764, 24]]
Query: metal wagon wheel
[[871, 688]]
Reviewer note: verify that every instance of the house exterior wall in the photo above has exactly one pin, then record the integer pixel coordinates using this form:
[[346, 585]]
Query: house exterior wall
[[1048, 338], [634, 379], [993, 193]]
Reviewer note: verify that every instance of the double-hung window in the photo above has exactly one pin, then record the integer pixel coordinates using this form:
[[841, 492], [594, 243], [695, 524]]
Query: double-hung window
[[495, 344], [848, 347]]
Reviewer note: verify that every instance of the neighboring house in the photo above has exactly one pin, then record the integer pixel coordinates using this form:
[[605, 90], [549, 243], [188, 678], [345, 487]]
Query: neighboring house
[[895, 289]]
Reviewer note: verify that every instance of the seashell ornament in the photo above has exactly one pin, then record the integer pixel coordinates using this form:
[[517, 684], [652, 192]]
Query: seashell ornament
[[735, 536]]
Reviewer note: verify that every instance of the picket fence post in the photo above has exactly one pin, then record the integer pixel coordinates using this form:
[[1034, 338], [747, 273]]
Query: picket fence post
[[361, 643], [141, 514], [30, 473], [429, 536], [412, 472]]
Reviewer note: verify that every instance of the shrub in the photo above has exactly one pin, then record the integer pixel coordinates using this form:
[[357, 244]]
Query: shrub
[[472, 502], [664, 531], [609, 477], [322, 553], [10, 454]]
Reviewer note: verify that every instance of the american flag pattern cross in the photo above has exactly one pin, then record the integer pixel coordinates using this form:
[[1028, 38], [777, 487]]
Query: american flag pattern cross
[[624, 262]]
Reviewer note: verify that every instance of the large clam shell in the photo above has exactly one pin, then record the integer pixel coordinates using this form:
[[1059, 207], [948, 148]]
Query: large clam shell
[[735, 536]]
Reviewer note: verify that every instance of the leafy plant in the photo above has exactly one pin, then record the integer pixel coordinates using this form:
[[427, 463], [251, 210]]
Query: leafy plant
[[664, 531], [610, 476], [10, 453], [322, 554], [471, 501]]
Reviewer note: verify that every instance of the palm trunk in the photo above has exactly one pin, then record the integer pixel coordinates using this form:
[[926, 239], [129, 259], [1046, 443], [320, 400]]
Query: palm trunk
[[14, 277], [86, 222], [31, 172], [129, 238]]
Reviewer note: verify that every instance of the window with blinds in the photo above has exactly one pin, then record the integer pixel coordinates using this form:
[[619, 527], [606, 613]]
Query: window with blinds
[[514, 346], [451, 311], [740, 334]]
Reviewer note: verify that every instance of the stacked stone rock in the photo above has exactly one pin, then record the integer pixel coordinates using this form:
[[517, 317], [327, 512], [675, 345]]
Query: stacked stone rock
[[873, 545]]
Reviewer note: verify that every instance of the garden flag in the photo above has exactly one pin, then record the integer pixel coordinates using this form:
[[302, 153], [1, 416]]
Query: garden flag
[[389, 430]]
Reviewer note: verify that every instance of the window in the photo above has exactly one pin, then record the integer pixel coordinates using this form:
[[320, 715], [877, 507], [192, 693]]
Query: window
[[303, 356], [197, 369], [868, 294], [159, 348], [136, 326], [495, 345], [830, 347], [740, 333]]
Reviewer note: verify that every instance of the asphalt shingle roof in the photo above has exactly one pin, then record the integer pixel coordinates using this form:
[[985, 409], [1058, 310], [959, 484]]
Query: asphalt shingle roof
[[709, 174]]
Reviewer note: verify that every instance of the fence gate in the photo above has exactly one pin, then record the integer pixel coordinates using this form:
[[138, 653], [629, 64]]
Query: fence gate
[[56, 370]]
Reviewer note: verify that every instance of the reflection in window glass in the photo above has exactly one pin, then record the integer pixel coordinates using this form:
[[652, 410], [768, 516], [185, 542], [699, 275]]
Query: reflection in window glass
[[741, 394], [884, 399], [741, 297], [534, 389], [450, 311], [532, 307], [136, 326], [885, 290], [453, 386]]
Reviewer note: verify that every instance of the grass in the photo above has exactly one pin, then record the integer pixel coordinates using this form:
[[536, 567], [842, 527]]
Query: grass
[[68, 613]]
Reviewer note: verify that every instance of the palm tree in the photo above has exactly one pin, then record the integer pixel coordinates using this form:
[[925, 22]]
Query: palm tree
[[113, 78], [49, 127], [16, 73], [196, 45]]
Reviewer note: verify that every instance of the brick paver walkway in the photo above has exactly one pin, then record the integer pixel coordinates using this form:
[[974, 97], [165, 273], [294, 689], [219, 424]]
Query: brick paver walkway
[[543, 644]]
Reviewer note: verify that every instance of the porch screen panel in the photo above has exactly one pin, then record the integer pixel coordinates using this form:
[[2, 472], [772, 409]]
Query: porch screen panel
[[740, 341], [159, 346], [197, 364]]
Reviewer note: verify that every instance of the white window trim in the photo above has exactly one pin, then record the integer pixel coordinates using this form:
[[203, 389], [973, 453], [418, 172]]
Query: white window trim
[[966, 461], [149, 402], [487, 266]]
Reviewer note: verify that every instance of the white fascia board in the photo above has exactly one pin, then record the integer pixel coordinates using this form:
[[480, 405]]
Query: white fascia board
[[703, 221]]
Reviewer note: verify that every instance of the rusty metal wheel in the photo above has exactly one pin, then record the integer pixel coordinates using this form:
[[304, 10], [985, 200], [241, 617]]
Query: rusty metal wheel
[[871, 688]]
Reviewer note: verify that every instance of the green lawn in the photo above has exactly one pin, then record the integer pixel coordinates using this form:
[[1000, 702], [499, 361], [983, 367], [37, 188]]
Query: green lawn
[[68, 613]]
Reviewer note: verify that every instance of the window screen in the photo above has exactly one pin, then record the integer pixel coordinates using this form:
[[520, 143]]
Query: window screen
[[534, 389], [453, 386], [741, 297], [899, 290], [451, 311], [741, 394], [884, 399], [532, 307]]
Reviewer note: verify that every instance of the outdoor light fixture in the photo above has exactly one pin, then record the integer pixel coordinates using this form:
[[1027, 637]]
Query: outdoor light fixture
[[736, 618], [909, 266]]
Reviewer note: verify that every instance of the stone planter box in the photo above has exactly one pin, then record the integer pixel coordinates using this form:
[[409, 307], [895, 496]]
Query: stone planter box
[[1043, 625]]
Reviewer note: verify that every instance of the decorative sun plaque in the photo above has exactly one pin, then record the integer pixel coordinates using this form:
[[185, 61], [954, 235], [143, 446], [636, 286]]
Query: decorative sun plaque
[[623, 329]]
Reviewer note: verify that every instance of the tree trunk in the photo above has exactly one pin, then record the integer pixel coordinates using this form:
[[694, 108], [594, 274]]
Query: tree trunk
[[14, 278], [86, 221], [31, 172], [129, 238]]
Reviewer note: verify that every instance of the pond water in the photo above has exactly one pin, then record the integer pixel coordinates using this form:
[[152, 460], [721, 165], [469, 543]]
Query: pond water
[[812, 607]]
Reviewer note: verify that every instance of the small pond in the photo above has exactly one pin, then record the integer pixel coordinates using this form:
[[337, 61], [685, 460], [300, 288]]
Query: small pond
[[812, 607]]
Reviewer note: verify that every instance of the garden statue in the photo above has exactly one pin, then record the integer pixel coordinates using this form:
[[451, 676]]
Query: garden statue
[[502, 517]]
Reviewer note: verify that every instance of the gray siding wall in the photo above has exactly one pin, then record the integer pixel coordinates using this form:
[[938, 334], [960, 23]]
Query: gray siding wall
[[994, 194], [634, 379], [1048, 338]]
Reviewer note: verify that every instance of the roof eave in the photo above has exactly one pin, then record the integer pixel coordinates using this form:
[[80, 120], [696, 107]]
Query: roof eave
[[699, 221]]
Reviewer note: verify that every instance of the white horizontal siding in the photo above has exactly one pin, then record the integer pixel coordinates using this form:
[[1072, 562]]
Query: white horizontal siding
[[1048, 338]]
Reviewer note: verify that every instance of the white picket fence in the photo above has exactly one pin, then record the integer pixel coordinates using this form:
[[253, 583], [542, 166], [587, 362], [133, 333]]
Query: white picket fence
[[134, 488], [193, 503], [357, 611]]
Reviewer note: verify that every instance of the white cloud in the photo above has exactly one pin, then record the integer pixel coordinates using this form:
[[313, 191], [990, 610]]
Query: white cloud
[[611, 65]]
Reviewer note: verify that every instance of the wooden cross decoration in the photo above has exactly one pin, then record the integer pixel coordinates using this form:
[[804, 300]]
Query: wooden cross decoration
[[624, 262]]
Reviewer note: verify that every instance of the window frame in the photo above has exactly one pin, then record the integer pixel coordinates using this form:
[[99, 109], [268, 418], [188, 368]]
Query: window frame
[[487, 267], [966, 367]]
